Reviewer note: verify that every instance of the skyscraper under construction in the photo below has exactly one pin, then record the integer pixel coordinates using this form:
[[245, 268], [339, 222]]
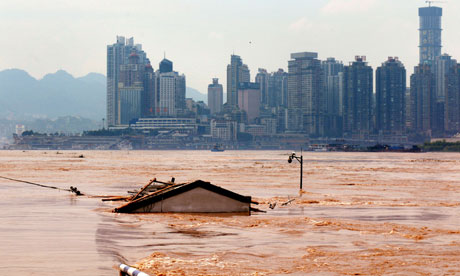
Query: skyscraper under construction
[[430, 33]]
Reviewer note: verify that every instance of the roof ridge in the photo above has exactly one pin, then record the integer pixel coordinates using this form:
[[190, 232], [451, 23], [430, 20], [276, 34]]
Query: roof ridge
[[183, 187]]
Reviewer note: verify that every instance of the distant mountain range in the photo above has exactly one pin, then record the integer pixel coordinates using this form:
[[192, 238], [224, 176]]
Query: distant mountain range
[[58, 94], [196, 95]]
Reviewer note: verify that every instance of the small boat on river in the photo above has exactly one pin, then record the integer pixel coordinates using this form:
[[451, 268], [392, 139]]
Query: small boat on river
[[217, 148]]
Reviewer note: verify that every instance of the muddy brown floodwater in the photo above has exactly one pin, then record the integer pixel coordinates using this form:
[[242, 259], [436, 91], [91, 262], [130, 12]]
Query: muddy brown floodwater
[[359, 214]]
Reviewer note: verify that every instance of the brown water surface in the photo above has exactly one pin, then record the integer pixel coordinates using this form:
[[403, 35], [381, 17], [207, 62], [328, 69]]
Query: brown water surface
[[360, 214]]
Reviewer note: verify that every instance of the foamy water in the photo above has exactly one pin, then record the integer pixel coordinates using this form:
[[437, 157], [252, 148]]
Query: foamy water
[[361, 213]]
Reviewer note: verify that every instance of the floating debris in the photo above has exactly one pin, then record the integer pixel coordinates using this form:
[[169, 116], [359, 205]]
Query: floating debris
[[153, 186], [287, 202]]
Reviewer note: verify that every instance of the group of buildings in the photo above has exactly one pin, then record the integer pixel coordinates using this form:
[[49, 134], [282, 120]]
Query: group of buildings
[[135, 90], [315, 98]]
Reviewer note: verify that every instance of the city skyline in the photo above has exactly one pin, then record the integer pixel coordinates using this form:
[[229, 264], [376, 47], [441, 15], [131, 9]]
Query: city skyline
[[324, 98], [332, 28]]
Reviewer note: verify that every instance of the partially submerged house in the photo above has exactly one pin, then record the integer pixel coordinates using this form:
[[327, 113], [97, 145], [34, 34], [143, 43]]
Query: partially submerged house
[[195, 197]]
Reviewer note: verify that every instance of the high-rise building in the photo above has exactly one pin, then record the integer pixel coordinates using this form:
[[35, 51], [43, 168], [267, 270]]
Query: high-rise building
[[306, 94], [452, 103], [171, 93], [249, 100], [115, 57], [118, 55], [215, 96], [262, 78], [391, 97], [244, 75], [331, 69], [129, 103], [237, 73], [277, 89], [333, 97], [357, 99], [135, 91], [130, 90], [423, 100], [273, 88], [181, 90], [149, 98], [430, 33], [441, 66]]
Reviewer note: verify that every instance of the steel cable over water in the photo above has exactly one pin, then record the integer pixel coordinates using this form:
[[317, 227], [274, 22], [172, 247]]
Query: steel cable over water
[[72, 189]]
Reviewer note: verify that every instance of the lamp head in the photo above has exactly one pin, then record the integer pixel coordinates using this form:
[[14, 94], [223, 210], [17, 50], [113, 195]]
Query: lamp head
[[290, 159]]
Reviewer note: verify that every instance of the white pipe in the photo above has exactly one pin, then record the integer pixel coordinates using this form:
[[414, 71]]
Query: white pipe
[[131, 271]]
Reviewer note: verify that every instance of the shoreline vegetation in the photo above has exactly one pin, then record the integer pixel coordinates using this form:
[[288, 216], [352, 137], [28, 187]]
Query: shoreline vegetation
[[441, 146], [137, 140]]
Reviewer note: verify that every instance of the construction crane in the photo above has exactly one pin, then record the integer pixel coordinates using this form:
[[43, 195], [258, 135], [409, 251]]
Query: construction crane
[[429, 2]]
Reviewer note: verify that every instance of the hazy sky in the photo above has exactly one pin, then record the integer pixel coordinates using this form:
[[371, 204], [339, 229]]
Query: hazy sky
[[43, 36]]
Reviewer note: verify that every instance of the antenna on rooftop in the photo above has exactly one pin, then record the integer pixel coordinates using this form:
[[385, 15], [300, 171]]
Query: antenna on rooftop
[[430, 2]]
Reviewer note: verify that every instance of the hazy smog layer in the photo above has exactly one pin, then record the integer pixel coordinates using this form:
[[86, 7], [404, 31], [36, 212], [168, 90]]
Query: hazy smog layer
[[360, 214]]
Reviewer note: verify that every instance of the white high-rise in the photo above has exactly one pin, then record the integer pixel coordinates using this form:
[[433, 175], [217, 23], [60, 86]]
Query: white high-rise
[[215, 96], [171, 94]]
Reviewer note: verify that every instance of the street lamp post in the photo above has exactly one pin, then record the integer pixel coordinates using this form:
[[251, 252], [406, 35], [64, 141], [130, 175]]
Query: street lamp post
[[300, 160]]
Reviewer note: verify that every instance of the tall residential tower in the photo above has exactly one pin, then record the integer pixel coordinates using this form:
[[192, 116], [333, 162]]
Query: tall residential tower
[[357, 99], [391, 97], [423, 100], [452, 107], [306, 94], [332, 70]]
